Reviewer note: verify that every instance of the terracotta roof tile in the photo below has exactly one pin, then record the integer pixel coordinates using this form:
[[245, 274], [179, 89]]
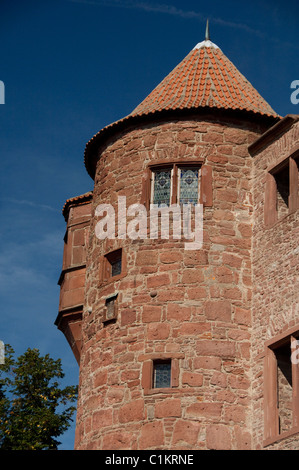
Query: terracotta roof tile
[[202, 70], [205, 78], [77, 200]]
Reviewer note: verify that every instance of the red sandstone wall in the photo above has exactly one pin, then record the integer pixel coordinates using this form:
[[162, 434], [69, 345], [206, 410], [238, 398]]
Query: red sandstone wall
[[72, 279], [194, 307], [275, 277]]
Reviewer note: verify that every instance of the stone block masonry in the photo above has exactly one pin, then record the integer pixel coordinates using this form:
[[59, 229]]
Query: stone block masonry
[[208, 313], [191, 308]]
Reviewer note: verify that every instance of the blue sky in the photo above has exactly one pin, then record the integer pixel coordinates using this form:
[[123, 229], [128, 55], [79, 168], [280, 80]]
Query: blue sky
[[71, 67]]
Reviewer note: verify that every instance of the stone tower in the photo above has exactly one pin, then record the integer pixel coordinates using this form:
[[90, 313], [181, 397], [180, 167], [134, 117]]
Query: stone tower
[[180, 348]]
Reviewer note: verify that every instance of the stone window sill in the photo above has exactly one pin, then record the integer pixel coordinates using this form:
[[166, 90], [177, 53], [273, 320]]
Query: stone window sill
[[156, 391], [279, 437], [111, 279], [282, 220]]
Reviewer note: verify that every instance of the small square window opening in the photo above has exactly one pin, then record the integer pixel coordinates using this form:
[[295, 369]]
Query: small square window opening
[[111, 308], [114, 263]]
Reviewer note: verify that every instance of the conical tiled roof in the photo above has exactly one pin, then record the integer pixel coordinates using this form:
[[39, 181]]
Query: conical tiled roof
[[204, 78]]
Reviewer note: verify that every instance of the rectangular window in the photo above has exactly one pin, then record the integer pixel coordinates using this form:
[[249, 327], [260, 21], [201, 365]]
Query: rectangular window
[[284, 387], [116, 266], [113, 266], [114, 263], [281, 387], [282, 179], [175, 184], [162, 185], [282, 190], [110, 308], [188, 187], [162, 374], [161, 371]]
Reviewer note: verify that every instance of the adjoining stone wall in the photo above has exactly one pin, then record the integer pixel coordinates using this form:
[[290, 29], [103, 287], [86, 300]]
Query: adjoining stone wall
[[275, 257], [193, 307]]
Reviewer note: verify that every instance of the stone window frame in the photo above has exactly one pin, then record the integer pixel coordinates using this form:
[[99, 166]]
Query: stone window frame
[[271, 417], [147, 379], [105, 266], [270, 208], [206, 190]]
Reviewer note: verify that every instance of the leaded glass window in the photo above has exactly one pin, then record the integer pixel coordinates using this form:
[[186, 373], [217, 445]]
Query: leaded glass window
[[162, 186], [188, 185], [162, 374]]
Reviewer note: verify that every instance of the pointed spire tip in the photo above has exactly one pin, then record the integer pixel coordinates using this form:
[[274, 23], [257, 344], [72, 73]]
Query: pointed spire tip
[[207, 38], [207, 42]]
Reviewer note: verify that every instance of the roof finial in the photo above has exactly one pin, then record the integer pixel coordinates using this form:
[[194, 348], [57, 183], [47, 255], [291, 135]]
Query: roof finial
[[207, 42], [207, 38]]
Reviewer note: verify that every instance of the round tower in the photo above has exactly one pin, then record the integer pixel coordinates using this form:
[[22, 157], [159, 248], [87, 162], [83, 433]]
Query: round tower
[[165, 343]]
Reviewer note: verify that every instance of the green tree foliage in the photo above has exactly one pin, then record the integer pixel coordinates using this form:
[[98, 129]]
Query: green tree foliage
[[34, 409]]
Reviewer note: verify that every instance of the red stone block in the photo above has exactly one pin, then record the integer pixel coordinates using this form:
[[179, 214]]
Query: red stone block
[[128, 316], [145, 258], [170, 257], [133, 411], [195, 293], [151, 313], [178, 312], [228, 195], [152, 435], [216, 348], [170, 407], [100, 378], [205, 409], [120, 439], [208, 362], [232, 260], [101, 419], [218, 437], [200, 329], [192, 378], [185, 432], [158, 331], [158, 280], [192, 276], [218, 310], [224, 275]]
